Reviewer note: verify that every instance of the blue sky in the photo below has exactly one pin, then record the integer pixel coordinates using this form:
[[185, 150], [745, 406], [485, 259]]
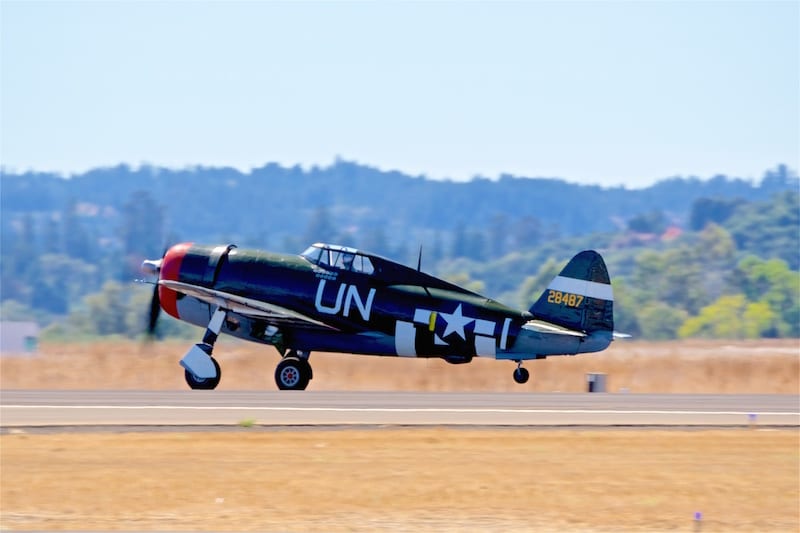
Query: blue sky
[[592, 92]]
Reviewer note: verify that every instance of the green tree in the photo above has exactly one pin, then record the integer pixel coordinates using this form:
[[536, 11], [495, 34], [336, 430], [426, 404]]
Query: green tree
[[460, 242], [730, 317], [51, 242], [774, 284], [527, 232], [626, 309], [142, 230], [475, 245], [714, 251], [534, 286], [715, 243], [320, 227], [760, 320], [435, 252], [13, 310], [652, 222], [498, 235], [769, 229], [62, 282], [659, 321], [673, 277], [75, 237], [25, 248], [706, 211], [106, 311], [375, 240], [18, 266]]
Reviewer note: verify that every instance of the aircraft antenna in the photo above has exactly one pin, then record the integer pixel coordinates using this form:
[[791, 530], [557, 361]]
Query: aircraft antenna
[[419, 260]]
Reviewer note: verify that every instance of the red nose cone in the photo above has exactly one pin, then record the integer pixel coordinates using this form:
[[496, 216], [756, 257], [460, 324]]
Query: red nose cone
[[170, 270]]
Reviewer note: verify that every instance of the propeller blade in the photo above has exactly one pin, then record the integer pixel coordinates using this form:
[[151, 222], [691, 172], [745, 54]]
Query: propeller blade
[[154, 267], [155, 310]]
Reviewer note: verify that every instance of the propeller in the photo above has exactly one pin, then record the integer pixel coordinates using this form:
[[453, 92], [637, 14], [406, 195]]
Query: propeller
[[153, 267], [155, 311]]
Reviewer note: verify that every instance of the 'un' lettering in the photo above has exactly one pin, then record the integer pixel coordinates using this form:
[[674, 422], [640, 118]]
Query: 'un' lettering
[[364, 307]]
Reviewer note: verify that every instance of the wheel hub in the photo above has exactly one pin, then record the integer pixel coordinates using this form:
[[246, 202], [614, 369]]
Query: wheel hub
[[290, 376]]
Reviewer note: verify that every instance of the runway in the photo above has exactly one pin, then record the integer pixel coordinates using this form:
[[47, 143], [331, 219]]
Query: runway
[[313, 408]]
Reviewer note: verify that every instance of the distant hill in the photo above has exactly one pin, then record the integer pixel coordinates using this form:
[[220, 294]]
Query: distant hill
[[282, 208]]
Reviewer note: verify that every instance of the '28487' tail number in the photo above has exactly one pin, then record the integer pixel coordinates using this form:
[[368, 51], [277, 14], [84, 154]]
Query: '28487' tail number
[[564, 298]]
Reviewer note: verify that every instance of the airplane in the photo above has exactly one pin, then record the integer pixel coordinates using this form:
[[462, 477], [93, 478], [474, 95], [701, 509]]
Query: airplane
[[333, 298]]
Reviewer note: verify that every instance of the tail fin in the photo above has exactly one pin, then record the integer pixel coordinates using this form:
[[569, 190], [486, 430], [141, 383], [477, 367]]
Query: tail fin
[[580, 297]]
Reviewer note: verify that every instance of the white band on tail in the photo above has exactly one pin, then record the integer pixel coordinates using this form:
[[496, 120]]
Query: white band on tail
[[590, 289]]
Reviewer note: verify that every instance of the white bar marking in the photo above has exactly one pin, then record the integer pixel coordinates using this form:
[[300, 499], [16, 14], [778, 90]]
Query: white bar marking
[[590, 289], [504, 334], [422, 316], [485, 346], [484, 327], [404, 336]]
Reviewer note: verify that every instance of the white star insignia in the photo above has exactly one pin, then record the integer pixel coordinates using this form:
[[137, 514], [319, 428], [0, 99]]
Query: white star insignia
[[455, 322]]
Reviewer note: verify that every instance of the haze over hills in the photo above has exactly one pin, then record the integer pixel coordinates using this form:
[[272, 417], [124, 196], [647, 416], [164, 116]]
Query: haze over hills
[[276, 207]]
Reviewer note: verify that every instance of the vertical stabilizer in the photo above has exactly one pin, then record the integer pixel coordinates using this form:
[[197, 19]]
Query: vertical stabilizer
[[580, 297]]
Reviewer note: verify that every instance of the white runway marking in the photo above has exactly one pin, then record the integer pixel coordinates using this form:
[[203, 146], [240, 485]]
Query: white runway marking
[[399, 410], [142, 408]]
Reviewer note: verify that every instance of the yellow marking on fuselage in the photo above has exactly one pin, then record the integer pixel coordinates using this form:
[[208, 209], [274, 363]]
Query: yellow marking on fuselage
[[432, 321]]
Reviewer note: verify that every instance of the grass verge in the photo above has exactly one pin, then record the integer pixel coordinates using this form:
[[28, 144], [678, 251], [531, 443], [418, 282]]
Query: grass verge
[[408, 479]]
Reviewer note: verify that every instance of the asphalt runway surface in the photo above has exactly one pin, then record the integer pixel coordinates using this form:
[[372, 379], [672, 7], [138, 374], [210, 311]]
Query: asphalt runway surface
[[85, 409]]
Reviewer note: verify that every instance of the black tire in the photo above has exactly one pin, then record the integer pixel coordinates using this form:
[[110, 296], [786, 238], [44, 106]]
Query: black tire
[[292, 373], [203, 384], [521, 375]]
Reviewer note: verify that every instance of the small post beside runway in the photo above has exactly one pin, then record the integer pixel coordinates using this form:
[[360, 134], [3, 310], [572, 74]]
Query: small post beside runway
[[596, 382]]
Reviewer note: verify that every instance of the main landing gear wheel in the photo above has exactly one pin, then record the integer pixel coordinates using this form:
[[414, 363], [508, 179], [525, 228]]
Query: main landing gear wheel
[[203, 384], [521, 375], [293, 373]]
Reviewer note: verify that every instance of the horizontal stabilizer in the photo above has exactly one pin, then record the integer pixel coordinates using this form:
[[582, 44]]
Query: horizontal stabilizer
[[540, 326]]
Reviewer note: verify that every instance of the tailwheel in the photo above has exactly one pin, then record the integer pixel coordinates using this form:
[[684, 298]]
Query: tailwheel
[[293, 373], [204, 383], [521, 375]]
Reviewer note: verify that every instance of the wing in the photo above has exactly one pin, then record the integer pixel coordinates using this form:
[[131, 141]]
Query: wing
[[244, 306]]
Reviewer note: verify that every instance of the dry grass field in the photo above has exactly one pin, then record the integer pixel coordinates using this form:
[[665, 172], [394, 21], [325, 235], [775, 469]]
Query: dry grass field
[[766, 366], [432, 479], [418, 479]]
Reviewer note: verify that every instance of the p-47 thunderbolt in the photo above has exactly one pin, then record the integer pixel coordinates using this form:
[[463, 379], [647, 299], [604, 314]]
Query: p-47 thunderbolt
[[338, 299]]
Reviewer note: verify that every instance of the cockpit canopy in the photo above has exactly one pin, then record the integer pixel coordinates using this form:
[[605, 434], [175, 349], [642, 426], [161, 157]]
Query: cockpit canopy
[[341, 257]]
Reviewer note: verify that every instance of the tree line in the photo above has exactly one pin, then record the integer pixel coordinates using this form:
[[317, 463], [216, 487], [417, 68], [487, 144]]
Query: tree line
[[722, 266]]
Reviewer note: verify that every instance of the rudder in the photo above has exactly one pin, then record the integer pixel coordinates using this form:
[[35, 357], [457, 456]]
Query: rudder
[[580, 297]]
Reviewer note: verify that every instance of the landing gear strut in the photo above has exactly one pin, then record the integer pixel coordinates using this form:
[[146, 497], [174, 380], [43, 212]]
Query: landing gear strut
[[294, 371], [521, 375], [202, 370]]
